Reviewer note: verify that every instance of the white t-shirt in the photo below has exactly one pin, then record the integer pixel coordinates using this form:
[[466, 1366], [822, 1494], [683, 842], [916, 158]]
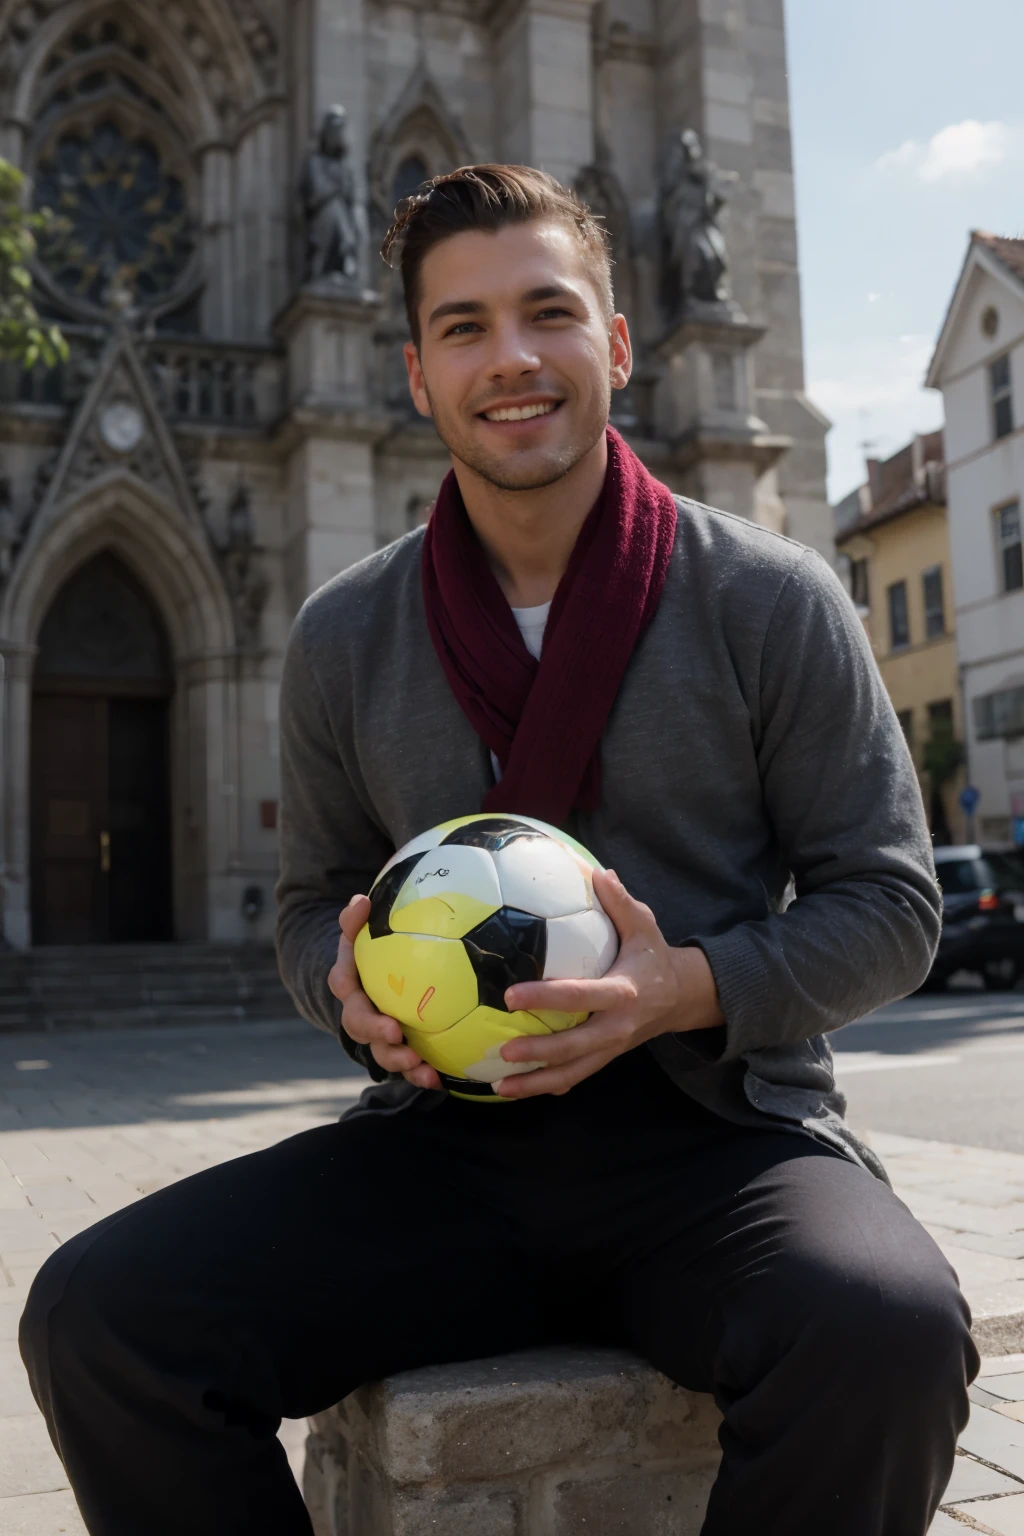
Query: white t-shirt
[[531, 622]]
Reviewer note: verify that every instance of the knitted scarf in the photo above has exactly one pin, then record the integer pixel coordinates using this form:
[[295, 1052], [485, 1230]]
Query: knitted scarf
[[543, 720]]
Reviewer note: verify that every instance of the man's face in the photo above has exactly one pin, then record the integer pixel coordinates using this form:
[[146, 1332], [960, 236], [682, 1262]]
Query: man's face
[[517, 358]]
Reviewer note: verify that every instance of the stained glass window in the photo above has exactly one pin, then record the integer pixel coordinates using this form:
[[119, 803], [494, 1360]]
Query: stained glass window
[[121, 213]]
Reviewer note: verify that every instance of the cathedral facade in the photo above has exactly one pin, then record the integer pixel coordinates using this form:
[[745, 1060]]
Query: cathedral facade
[[232, 426]]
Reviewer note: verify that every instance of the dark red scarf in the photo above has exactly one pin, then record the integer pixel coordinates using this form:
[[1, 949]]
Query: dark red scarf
[[543, 720]]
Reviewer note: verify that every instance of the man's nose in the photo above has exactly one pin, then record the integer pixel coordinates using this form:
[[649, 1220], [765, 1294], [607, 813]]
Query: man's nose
[[512, 352]]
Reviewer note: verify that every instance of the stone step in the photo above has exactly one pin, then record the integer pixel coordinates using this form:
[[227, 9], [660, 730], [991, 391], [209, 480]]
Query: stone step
[[547, 1442], [120, 985]]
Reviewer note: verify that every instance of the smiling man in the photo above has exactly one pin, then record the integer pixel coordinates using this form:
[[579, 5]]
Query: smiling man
[[694, 698]]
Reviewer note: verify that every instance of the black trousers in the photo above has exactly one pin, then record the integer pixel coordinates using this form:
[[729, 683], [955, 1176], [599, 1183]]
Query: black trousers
[[165, 1344]]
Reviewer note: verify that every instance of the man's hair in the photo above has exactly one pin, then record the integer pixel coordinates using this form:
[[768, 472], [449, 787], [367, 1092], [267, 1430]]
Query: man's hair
[[489, 197]]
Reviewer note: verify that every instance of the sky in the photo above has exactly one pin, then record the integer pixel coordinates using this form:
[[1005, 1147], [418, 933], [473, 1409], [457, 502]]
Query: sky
[[908, 132]]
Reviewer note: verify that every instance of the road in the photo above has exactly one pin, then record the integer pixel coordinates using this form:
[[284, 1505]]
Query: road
[[945, 1066]]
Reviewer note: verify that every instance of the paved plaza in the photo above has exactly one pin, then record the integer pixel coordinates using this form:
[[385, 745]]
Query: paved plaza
[[91, 1121]]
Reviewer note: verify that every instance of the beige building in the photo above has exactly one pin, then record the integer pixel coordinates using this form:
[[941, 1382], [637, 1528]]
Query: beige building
[[893, 542], [233, 427]]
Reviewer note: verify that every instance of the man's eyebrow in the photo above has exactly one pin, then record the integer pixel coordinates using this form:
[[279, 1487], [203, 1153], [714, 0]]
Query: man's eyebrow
[[549, 291], [455, 307]]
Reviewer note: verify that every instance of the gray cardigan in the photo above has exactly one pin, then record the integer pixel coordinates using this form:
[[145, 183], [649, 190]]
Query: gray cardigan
[[751, 741]]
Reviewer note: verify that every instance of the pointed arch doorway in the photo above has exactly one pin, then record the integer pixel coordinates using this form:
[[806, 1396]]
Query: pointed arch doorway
[[100, 763]]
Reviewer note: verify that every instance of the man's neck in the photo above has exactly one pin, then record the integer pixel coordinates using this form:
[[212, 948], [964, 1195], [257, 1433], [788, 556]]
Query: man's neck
[[530, 535]]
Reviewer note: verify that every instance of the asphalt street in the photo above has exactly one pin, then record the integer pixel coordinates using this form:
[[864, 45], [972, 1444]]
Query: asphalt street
[[947, 1066]]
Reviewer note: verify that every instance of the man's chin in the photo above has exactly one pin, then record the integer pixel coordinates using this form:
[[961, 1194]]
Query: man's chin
[[521, 470]]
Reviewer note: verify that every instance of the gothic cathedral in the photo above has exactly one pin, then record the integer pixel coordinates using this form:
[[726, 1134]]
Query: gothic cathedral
[[232, 426]]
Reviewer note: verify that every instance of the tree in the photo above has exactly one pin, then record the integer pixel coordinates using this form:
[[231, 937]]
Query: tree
[[24, 337], [943, 754]]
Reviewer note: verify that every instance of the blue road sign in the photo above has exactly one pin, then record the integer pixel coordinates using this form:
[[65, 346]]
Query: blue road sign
[[969, 797]]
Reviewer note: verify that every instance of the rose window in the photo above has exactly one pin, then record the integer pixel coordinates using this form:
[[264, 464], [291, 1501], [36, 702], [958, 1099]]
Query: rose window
[[121, 215]]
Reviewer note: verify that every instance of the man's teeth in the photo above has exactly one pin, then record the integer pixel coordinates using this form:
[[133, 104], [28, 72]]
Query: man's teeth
[[519, 412]]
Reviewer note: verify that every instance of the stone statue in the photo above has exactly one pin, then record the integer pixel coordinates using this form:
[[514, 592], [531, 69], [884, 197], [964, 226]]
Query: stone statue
[[696, 265], [246, 584], [332, 215]]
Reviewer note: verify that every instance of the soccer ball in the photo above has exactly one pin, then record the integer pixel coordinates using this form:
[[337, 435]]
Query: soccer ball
[[458, 915]]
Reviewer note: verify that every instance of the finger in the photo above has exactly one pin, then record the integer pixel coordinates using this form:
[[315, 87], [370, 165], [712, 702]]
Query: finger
[[422, 1077], [611, 991], [353, 917], [395, 1058], [612, 1033], [362, 1021], [556, 1080], [629, 915]]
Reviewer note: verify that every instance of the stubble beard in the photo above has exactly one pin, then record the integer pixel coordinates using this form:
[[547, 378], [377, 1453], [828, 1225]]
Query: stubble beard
[[502, 474]]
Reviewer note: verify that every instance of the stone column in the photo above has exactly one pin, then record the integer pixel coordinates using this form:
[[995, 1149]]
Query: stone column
[[704, 408], [331, 429], [337, 73], [16, 664], [725, 75], [544, 86]]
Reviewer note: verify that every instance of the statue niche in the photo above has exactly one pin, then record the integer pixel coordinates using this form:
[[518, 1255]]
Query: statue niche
[[333, 217], [695, 263]]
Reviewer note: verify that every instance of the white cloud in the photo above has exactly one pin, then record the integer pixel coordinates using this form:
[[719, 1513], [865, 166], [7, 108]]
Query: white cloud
[[873, 392], [961, 149]]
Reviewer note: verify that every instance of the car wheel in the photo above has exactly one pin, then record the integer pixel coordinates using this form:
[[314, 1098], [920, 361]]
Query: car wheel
[[1002, 975]]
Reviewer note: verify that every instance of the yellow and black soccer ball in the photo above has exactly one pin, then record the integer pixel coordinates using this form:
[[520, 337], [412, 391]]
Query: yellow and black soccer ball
[[460, 914]]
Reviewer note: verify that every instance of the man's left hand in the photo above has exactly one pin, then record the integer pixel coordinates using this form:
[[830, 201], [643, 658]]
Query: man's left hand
[[652, 989]]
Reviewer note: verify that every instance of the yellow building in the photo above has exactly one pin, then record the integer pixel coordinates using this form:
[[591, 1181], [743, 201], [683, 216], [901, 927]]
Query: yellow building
[[893, 538]]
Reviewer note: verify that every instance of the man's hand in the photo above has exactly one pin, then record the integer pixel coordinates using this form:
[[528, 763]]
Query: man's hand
[[652, 989], [360, 1019]]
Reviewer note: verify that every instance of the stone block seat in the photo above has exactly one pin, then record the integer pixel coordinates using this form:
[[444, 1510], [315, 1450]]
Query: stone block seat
[[547, 1442]]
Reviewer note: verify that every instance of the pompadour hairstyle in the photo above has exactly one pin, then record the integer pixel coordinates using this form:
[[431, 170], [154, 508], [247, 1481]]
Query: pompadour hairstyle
[[489, 197]]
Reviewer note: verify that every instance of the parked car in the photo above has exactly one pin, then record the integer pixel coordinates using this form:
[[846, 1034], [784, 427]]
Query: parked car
[[982, 915]]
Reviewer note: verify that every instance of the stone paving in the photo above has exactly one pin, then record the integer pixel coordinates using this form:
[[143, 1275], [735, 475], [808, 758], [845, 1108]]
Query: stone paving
[[90, 1121]]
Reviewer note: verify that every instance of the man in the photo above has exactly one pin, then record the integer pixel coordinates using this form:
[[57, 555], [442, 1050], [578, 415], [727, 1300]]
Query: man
[[676, 1176]]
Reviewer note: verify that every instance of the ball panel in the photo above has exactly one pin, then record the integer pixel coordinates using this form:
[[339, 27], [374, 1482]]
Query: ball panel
[[562, 837], [424, 983], [541, 877], [383, 892], [471, 1048], [506, 948], [581, 946], [449, 918], [420, 844], [455, 890], [490, 832]]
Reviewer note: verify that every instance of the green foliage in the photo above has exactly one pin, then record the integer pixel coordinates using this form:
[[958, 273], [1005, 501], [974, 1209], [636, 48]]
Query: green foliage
[[943, 754], [24, 337]]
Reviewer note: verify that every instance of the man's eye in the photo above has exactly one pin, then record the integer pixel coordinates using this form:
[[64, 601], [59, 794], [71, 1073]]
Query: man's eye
[[463, 328], [552, 314]]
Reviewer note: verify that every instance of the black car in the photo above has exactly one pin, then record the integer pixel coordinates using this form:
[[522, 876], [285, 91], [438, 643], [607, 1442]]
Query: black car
[[982, 915]]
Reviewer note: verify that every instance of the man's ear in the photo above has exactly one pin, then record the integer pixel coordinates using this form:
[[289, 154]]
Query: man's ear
[[417, 388], [621, 352]]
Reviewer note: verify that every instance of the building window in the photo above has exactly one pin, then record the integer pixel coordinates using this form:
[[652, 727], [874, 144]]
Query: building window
[[859, 590], [906, 720], [1002, 395], [408, 178], [999, 714], [940, 716], [899, 622], [1008, 530], [934, 611]]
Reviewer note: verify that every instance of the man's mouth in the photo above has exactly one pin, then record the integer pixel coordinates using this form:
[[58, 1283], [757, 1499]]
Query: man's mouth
[[521, 412]]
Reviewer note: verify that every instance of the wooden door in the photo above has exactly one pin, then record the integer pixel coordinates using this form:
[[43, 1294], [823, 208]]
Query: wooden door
[[69, 819], [140, 820]]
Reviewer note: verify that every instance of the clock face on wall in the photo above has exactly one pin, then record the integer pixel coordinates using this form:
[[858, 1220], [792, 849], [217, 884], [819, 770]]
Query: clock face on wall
[[121, 425]]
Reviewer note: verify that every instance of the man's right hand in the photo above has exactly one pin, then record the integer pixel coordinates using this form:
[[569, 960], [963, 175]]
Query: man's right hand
[[360, 1019]]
